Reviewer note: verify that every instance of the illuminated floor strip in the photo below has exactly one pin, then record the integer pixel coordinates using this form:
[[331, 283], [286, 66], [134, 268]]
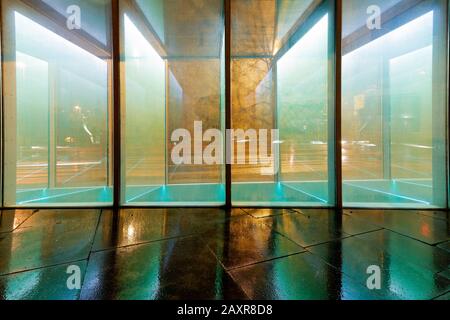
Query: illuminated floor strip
[[306, 193], [414, 184], [142, 194], [388, 193], [58, 196]]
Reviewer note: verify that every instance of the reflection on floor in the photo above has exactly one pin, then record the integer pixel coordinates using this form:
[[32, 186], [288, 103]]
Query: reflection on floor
[[214, 254]]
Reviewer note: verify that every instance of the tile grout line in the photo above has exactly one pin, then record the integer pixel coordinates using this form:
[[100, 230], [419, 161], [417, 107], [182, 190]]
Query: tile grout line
[[182, 236], [18, 227], [267, 260], [383, 248], [35, 211], [90, 253], [43, 267], [415, 239], [95, 233], [238, 284], [301, 245], [350, 236], [339, 270], [227, 272], [441, 295], [188, 236], [402, 234]]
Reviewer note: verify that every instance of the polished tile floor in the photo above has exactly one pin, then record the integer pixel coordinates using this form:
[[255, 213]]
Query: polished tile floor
[[214, 254]]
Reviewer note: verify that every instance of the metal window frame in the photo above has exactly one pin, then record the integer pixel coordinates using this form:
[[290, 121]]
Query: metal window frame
[[341, 46]]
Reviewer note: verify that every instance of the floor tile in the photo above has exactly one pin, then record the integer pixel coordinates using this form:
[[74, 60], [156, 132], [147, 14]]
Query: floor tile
[[182, 268], [444, 297], [246, 241], [12, 219], [353, 226], [435, 214], [306, 230], [298, 277], [413, 251], [70, 217], [225, 289], [211, 214], [48, 238], [264, 213], [350, 225], [408, 223], [135, 226], [124, 274], [445, 274], [132, 226], [41, 284], [445, 246], [399, 279], [203, 253]]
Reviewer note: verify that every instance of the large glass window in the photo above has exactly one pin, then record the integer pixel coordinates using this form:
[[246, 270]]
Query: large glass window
[[394, 104], [282, 103], [57, 102], [57, 80], [173, 106]]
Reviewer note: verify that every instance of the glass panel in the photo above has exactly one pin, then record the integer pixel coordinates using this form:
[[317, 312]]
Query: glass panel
[[282, 103], [394, 106], [145, 101], [56, 106], [154, 13], [173, 83], [32, 99]]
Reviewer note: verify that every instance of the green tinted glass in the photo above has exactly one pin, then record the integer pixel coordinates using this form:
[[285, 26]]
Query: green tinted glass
[[394, 106]]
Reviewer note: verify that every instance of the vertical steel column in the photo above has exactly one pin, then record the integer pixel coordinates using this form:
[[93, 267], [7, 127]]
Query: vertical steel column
[[439, 102], [2, 135], [275, 147], [117, 147], [338, 101], [386, 115], [448, 112], [52, 143], [228, 182], [166, 123], [9, 138]]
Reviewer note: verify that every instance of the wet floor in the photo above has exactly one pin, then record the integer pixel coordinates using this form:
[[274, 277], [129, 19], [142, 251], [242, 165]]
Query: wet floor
[[216, 254]]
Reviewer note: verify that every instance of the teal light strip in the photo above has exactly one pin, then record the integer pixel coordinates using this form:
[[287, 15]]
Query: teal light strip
[[387, 193]]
